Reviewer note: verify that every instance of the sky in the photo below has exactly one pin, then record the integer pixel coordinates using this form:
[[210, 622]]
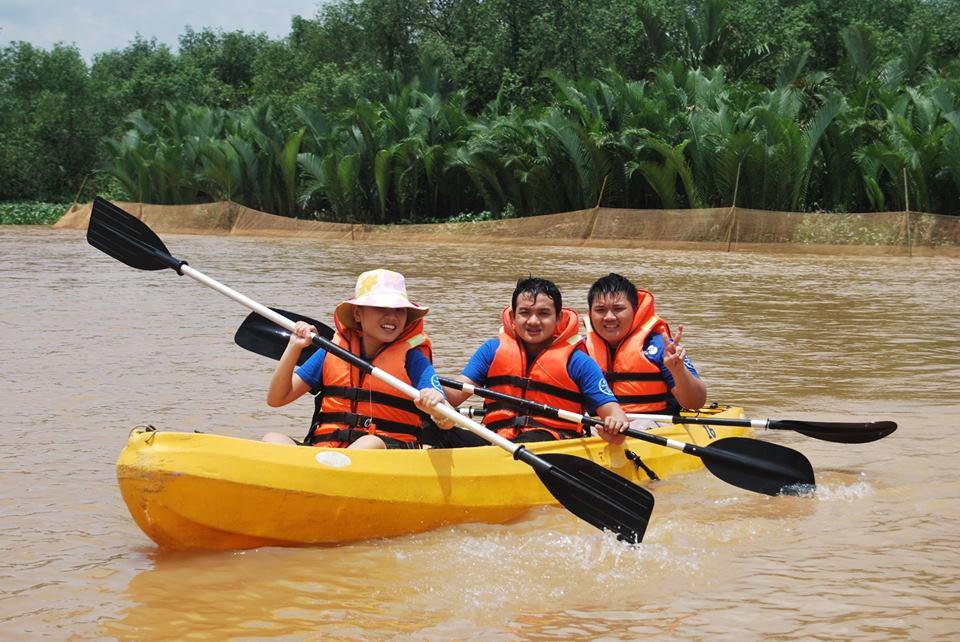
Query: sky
[[95, 26]]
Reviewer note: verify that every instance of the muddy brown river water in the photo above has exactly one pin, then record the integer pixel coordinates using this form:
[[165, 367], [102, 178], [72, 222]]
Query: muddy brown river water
[[89, 348]]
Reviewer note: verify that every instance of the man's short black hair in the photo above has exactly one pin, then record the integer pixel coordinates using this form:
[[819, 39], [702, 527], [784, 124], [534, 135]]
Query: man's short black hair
[[535, 286], [613, 284]]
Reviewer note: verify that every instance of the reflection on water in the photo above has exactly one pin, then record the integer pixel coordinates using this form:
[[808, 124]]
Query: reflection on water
[[91, 348]]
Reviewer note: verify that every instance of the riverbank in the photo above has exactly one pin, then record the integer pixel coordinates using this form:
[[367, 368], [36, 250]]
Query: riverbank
[[718, 229]]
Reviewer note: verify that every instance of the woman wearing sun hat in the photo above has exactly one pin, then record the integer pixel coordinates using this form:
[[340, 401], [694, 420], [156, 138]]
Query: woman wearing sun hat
[[354, 410]]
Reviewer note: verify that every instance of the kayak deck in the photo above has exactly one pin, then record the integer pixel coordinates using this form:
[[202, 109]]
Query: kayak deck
[[207, 491]]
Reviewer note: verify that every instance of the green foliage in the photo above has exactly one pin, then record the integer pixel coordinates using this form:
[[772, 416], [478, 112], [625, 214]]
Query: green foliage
[[224, 63], [407, 110], [47, 122], [474, 217], [31, 212]]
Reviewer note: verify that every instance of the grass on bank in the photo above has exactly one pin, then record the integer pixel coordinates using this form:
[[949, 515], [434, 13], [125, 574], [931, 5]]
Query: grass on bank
[[31, 212]]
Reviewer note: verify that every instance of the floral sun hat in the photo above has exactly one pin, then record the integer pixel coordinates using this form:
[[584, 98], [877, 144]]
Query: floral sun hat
[[382, 289]]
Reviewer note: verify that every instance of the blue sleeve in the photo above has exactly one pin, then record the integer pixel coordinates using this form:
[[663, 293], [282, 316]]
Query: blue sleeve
[[589, 377], [479, 365], [421, 372], [653, 349], [312, 369]]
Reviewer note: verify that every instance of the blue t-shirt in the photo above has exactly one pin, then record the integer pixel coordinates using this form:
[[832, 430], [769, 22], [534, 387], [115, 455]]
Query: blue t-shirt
[[582, 369], [419, 370]]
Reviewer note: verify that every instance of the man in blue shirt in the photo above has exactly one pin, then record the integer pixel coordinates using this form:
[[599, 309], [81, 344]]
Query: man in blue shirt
[[648, 369], [539, 355]]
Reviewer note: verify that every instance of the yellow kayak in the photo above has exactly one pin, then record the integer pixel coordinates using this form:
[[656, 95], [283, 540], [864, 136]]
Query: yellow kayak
[[206, 491]]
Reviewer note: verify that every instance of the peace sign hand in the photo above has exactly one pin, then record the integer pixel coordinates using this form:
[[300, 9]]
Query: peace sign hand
[[675, 354]]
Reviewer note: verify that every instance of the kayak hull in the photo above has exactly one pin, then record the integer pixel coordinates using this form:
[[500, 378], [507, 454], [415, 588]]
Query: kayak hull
[[206, 491]]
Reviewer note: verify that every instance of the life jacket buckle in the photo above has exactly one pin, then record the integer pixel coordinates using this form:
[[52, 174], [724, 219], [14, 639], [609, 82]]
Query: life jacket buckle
[[368, 425]]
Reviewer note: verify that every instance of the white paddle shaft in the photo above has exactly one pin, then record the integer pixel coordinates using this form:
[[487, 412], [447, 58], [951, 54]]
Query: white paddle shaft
[[667, 419]]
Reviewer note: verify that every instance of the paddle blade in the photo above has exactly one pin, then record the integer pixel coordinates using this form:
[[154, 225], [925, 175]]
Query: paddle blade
[[127, 239], [595, 494], [759, 466], [840, 432], [266, 338]]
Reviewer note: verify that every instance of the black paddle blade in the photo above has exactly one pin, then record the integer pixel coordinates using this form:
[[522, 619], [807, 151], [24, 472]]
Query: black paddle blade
[[127, 239], [840, 432], [594, 494], [759, 466], [266, 338]]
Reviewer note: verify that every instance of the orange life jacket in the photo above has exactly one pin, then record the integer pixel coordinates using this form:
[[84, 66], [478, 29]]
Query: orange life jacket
[[351, 403], [637, 382], [544, 380]]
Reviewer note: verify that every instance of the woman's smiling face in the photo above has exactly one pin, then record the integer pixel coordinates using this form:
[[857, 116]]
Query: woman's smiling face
[[381, 324]]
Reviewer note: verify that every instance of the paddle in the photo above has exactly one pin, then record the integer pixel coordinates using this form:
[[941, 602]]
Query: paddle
[[587, 489], [746, 463], [259, 335], [751, 464], [837, 431]]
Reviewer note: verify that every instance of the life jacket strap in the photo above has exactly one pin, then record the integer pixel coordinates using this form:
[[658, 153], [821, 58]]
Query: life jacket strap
[[631, 399], [350, 435], [613, 377], [372, 396], [359, 423], [526, 422], [525, 383], [491, 406]]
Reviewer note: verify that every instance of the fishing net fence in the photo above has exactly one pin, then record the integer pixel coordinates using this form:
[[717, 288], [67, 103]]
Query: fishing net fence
[[725, 229]]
